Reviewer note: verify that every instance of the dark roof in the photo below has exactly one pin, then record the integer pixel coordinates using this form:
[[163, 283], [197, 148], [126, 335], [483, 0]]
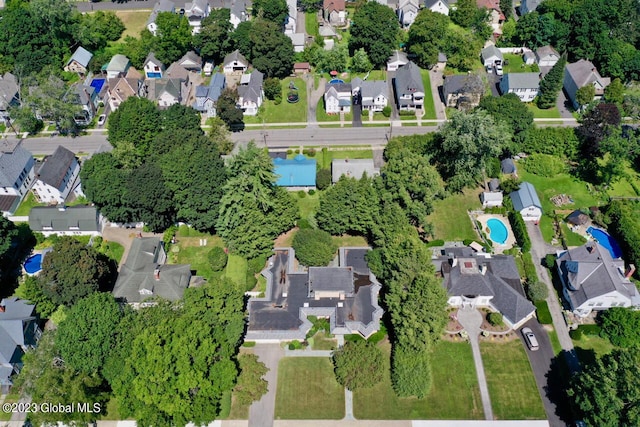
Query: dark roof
[[330, 279], [508, 166], [13, 333], [578, 218], [76, 218], [55, 167], [253, 90], [13, 160], [459, 83], [235, 56], [8, 203], [408, 79], [494, 184]]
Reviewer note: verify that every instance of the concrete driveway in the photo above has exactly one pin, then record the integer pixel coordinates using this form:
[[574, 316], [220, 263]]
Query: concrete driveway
[[262, 412]]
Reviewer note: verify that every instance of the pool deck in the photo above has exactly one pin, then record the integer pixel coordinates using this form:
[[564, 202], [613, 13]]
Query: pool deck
[[497, 247]]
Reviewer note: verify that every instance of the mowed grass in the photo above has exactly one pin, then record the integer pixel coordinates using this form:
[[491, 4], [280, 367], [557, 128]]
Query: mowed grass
[[516, 64], [454, 393], [346, 240], [450, 219], [550, 113], [308, 205], [429, 107], [307, 390], [284, 112], [134, 21], [236, 269], [512, 386], [324, 158], [600, 346], [311, 23], [27, 203]]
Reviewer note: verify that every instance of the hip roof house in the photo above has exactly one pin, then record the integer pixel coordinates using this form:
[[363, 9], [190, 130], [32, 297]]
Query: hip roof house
[[526, 201]]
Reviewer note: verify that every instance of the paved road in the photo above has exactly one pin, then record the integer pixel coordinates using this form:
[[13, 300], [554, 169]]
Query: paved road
[[82, 144], [262, 412]]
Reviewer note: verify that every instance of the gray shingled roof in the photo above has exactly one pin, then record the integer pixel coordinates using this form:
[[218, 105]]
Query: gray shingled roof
[[399, 56], [508, 166], [408, 79], [352, 168], [55, 167], [77, 218], [584, 72], [235, 56], [456, 83], [12, 329], [13, 160], [253, 90], [491, 51], [547, 50], [82, 56], [522, 80], [118, 63], [525, 197], [330, 279], [151, 57], [430, 3], [191, 56], [8, 90], [161, 6]]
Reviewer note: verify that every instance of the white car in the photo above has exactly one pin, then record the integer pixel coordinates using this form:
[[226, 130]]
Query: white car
[[530, 339], [499, 70], [102, 119]]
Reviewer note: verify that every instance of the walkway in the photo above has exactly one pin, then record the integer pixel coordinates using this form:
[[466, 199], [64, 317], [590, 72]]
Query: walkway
[[471, 320], [539, 249], [262, 412], [437, 81], [124, 236]]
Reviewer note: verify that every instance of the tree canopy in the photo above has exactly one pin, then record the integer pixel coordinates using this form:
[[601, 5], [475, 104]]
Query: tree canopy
[[509, 109], [215, 37], [136, 121], [314, 247], [275, 11], [375, 28], [426, 35], [358, 364], [271, 50]]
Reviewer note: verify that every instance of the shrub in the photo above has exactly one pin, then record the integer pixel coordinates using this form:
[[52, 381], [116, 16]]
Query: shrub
[[295, 345], [386, 111], [543, 313], [323, 178], [576, 334], [544, 165], [550, 261], [520, 230], [249, 344], [314, 247], [168, 235], [277, 100], [537, 291], [510, 185], [621, 326], [217, 258], [303, 224], [434, 243], [272, 88], [494, 319], [289, 152], [358, 365], [591, 330], [250, 281], [302, 194], [312, 192], [256, 265], [529, 268]]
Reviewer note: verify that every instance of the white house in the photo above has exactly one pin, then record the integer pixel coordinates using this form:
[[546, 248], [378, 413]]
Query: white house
[[250, 93], [491, 56], [66, 221], [593, 280], [407, 12], [195, 12], [153, 68], [334, 12], [525, 85], [238, 12], [580, 74], [165, 92], [298, 40], [526, 201], [547, 56], [438, 6], [161, 6], [337, 98], [79, 61], [56, 177], [16, 174], [491, 199], [235, 62], [372, 94]]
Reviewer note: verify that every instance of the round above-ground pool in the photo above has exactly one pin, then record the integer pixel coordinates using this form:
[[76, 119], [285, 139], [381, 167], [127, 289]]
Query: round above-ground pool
[[334, 81], [498, 231], [606, 240], [33, 264]]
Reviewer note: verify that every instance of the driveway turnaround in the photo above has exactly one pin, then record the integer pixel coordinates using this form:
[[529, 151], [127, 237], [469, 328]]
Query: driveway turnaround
[[262, 412]]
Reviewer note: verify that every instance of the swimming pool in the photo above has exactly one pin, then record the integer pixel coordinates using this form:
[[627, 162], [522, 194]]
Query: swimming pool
[[335, 81], [606, 240], [33, 264], [97, 84], [498, 231]]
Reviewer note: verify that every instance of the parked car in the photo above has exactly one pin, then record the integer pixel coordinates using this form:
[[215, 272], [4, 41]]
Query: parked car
[[102, 119], [499, 70], [530, 339]]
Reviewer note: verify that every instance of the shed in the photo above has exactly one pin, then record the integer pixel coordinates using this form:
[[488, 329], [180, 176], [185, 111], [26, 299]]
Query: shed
[[577, 217], [491, 199], [508, 166], [526, 201], [301, 67]]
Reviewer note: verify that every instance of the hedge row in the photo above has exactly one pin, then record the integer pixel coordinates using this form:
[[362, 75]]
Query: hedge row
[[520, 230]]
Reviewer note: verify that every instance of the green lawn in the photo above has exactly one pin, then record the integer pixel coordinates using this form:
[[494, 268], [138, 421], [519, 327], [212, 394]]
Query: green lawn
[[321, 342], [307, 390], [546, 227], [189, 251], [134, 21], [348, 240], [11, 398], [236, 269], [454, 394], [555, 342], [514, 63], [325, 158], [311, 24], [592, 343], [623, 187], [450, 219], [550, 113], [322, 116], [512, 386], [25, 207], [573, 239], [113, 250], [285, 112], [308, 204], [429, 108]]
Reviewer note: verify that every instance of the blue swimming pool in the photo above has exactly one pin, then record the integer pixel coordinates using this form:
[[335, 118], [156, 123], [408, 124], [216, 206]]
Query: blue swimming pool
[[334, 81], [498, 231], [33, 264], [606, 240], [97, 84]]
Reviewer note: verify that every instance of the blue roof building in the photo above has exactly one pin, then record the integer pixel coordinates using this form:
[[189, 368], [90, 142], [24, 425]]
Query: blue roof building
[[296, 172], [526, 201]]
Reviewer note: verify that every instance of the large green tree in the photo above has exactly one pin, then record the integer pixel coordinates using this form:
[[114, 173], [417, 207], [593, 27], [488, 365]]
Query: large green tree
[[426, 35], [375, 28], [275, 11], [509, 109], [55, 101], [215, 37], [136, 121], [8, 234], [250, 386], [621, 326], [358, 365], [149, 198], [104, 182], [271, 50], [314, 247], [173, 38], [97, 29], [551, 85]]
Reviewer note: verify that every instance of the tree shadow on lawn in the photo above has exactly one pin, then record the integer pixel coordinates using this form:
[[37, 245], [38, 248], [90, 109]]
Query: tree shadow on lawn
[[558, 379]]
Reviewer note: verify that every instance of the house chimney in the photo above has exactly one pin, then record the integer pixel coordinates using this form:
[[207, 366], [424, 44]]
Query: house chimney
[[156, 273], [630, 270], [483, 269]]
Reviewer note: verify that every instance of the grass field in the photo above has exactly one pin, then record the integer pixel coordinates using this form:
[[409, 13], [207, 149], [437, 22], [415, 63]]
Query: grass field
[[348, 240], [189, 251], [450, 219], [134, 21], [573, 239], [113, 250], [25, 207], [307, 389], [321, 342], [454, 394], [236, 269], [551, 113], [325, 158], [512, 386], [514, 63], [285, 112], [555, 342], [429, 108]]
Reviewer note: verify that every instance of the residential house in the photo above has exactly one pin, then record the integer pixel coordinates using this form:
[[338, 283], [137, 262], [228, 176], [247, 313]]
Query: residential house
[[397, 60], [165, 91], [491, 56], [353, 168], [298, 40], [196, 11], [525, 200], [191, 61], [438, 6], [122, 88], [462, 91], [145, 275], [301, 68], [296, 173], [66, 221], [373, 95], [491, 199], [207, 96], [527, 6], [346, 295], [118, 66], [508, 166], [160, 6], [292, 17], [580, 74], [87, 98], [177, 71], [235, 62], [153, 68], [19, 332], [593, 280], [334, 12], [407, 12], [337, 98], [409, 87], [547, 56], [79, 61], [238, 12], [56, 177], [496, 17], [9, 95], [525, 85], [475, 279], [16, 174], [250, 93]]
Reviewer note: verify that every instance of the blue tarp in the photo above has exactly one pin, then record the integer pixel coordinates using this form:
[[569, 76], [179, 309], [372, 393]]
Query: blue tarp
[[297, 172]]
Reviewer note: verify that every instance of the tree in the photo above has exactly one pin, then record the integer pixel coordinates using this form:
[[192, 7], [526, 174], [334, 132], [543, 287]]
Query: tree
[[8, 234], [360, 62], [374, 28], [217, 258], [506, 6], [614, 93], [323, 179], [527, 29], [469, 16], [621, 326], [26, 120], [179, 117], [411, 373], [72, 271], [597, 124], [242, 38], [250, 386], [606, 391], [468, 141], [537, 291], [335, 59], [31, 291], [173, 37], [314, 247], [55, 101], [219, 135], [95, 30], [551, 85], [137, 121], [149, 198], [272, 88], [585, 95], [227, 109], [275, 11], [271, 50], [461, 48], [87, 335], [358, 365], [426, 35], [510, 110], [104, 182], [215, 37]]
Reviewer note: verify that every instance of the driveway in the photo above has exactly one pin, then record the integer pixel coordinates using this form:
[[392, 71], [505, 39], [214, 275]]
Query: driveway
[[313, 96], [436, 79], [262, 412], [494, 82], [563, 105], [356, 120], [124, 236]]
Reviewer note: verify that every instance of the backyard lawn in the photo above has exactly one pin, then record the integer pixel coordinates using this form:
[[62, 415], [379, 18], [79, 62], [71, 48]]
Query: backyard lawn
[[134, 21], [429, 108], [450, 219], [514, 63], [308, 205], [285, 112], [592, 343], [454, 394], [311, 23], [512, 386], [307, 390], [550, 113], [25, 207]]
